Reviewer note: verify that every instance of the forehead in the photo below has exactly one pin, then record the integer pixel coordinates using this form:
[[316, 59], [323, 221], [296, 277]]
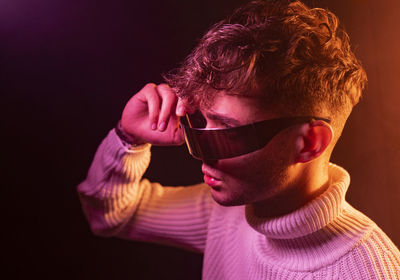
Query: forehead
[[243, 108]]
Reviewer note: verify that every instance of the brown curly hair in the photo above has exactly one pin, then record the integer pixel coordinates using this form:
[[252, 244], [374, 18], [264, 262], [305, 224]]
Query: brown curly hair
[[297, 60]]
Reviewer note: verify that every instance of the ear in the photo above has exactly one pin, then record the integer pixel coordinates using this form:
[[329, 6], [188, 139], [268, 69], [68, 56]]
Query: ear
[[313, 140]]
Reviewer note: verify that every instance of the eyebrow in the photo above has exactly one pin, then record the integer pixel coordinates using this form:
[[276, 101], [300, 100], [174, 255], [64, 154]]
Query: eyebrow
[[225, 119]]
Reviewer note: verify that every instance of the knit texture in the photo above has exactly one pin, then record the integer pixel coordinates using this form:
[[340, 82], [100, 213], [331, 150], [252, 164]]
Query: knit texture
[[325, 239]]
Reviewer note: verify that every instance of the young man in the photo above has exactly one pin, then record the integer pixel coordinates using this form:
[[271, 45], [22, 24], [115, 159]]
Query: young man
[[262, 101]]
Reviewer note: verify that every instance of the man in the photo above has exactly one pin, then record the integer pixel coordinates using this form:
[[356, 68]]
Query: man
[[262, 101]]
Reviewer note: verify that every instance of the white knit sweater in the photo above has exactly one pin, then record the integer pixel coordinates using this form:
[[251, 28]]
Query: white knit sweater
[[325, 239]]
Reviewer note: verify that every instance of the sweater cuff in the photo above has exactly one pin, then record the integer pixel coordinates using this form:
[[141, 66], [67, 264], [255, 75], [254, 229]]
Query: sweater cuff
[[127, 147]]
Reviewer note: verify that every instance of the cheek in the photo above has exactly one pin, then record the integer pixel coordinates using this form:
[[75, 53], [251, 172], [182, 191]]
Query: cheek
[[247, 168], [260, 168]]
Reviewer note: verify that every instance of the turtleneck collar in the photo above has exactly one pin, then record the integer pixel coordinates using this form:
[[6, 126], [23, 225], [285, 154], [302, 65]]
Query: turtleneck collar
[[317, 233], [311, 217]]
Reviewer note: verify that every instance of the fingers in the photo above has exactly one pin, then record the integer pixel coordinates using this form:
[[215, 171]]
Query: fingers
[[150, 115], [153, 103], [180, 108], [167, 106], [162, 105], [162, 113]]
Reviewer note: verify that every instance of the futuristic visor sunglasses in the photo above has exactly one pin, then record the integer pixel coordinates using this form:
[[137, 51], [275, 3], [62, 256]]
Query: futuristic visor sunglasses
[[220, 143]]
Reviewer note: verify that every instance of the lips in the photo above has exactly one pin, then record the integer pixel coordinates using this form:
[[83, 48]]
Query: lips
[[210, 177]]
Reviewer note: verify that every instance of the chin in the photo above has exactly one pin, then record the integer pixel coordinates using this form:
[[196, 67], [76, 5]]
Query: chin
[[225, 198]]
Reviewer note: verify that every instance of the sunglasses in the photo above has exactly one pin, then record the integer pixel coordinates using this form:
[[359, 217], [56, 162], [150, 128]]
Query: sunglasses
[[221, 143]]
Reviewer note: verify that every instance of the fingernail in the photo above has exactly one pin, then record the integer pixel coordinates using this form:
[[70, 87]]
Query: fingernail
[[162, 126], [154, 126]]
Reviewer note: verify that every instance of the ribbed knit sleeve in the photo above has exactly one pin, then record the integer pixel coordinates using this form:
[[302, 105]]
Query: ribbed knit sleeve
[[117, 202], [376, 257]]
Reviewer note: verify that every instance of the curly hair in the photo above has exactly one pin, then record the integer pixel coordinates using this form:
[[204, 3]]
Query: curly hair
[[297, 60]]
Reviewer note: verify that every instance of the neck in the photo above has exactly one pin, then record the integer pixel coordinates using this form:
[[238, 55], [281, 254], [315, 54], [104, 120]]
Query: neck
[[308, 181], [315, 235]]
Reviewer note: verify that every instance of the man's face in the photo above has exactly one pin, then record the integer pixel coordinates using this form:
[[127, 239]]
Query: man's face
[[252, 177]]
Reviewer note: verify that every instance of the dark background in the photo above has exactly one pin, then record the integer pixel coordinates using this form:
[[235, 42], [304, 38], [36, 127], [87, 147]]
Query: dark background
[[66, 70]]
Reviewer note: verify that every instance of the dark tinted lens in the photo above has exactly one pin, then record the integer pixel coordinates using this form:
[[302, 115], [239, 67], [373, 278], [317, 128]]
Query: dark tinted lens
[[197, 120], [213, 144]]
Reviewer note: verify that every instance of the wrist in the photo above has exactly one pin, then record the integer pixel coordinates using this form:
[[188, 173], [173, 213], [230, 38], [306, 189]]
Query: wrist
[[127, 139]]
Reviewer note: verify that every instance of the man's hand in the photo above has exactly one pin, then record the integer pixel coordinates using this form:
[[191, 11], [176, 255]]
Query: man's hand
[[151, 116]]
